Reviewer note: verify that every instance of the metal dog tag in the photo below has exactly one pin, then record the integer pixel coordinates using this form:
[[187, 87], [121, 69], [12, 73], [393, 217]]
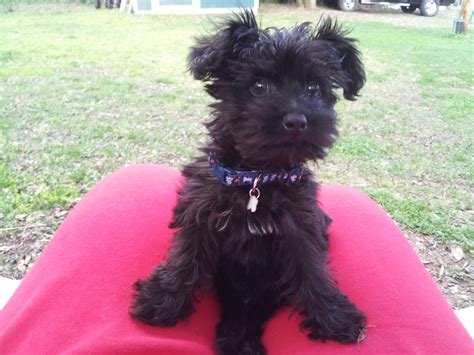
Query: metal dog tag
[[252, 205], [254, 194]]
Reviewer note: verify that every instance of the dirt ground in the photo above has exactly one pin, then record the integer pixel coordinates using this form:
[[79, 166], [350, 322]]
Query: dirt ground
[[451, 269]]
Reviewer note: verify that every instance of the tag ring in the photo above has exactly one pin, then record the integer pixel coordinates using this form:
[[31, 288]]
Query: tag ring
[[254, 192]]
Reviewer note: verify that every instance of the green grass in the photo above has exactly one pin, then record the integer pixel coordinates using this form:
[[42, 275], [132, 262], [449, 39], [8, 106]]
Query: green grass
[[83, 92]]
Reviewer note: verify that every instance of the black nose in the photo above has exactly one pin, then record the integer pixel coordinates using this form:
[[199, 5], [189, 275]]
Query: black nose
[[295, 122]]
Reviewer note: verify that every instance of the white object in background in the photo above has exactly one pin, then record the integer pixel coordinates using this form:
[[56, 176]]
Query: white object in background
[[466, 316], [7, 289]]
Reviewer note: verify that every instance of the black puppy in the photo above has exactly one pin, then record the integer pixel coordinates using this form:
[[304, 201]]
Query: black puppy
[[247, 220]]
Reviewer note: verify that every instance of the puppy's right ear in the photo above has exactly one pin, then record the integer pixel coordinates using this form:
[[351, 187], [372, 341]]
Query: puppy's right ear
[[207, 55], [207, 59]]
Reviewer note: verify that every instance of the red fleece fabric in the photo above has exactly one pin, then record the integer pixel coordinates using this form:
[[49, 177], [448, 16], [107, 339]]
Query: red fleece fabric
[[76, 297]]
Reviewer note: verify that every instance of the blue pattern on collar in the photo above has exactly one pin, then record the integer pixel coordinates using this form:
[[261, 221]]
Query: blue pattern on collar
[[230, 177]]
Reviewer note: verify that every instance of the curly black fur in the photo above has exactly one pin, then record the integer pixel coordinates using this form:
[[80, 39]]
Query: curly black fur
[[276, 256]]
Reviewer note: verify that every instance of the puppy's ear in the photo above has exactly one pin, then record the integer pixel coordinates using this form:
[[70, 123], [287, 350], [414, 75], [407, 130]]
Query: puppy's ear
[[349, 73], [207, 59]]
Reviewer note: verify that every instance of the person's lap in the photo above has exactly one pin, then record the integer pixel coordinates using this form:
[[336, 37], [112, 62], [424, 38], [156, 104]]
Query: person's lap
[[76, 297]]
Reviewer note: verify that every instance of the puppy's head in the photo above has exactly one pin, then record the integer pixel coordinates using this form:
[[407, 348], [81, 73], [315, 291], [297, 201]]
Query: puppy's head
[[276, 87]]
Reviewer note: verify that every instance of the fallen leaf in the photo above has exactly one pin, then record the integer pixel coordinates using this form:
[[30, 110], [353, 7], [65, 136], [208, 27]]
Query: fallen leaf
[[21, 217], [456, 252], [441, 272]]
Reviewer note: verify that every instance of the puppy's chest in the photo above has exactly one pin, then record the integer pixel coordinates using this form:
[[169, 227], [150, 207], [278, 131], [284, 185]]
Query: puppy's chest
[[272, 207]]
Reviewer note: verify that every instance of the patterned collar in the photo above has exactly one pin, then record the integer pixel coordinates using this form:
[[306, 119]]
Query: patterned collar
[[230, 177]]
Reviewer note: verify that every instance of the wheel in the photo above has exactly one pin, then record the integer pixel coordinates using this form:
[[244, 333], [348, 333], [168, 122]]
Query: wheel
[[348, 5], [429, 7], [409, 9]]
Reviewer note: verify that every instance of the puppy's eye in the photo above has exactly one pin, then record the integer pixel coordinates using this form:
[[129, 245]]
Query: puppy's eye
[[259, 88], [314, 90]]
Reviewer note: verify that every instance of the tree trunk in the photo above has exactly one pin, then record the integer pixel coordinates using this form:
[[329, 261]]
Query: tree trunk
[[465, 13]]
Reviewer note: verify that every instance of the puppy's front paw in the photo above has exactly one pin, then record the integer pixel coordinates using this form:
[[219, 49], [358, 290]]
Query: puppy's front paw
[[342, 322], [155, 305]]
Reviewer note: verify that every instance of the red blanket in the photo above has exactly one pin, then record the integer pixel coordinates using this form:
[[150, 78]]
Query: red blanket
[[76, 297]]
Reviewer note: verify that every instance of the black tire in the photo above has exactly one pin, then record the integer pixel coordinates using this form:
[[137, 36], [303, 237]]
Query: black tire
[[409, 9], [429, 8], [348, 5]]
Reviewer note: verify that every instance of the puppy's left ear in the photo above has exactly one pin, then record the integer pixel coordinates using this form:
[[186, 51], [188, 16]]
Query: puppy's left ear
[[348, 71]]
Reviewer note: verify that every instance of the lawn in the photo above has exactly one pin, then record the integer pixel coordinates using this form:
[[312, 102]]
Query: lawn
[[84, 92]]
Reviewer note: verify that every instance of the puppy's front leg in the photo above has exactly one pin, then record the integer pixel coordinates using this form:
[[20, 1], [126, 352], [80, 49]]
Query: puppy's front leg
[[327, 312], [166, 296]]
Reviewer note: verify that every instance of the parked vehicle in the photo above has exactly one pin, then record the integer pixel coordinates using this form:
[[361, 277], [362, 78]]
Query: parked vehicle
[[427, 7]]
